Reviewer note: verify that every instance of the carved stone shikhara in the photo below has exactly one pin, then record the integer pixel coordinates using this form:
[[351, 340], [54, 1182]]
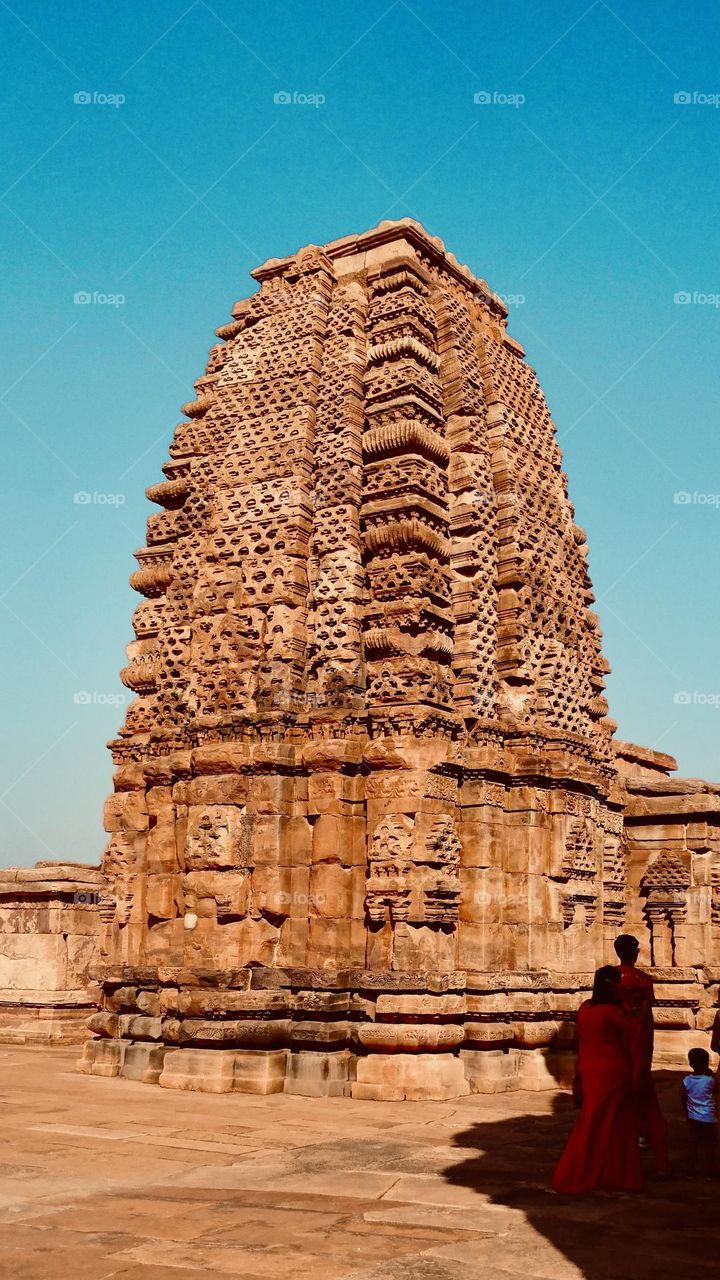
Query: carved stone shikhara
[[371, 831]]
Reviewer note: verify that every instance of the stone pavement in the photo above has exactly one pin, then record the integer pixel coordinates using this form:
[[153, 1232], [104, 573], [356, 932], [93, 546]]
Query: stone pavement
[[109, 1178]]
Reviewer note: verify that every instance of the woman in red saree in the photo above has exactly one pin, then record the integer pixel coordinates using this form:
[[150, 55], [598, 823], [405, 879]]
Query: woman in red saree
[[602, 1151]]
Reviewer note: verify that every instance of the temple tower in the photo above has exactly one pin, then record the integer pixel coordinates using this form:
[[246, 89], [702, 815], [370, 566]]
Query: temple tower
[[366, 833]]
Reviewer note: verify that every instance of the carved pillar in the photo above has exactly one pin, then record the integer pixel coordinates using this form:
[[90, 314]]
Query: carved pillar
[[664, 887]]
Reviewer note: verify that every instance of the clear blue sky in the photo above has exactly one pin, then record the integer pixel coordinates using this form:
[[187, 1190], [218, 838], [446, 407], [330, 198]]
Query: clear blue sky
[[596, 199]]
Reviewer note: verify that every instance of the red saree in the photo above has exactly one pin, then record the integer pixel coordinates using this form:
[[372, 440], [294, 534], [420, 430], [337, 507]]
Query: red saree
[[602, 1151]]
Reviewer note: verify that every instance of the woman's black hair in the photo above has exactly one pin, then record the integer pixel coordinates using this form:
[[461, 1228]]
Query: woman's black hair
[[604, 985]]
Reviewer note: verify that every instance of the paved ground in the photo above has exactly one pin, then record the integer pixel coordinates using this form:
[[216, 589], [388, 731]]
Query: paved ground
[[108, 1178]]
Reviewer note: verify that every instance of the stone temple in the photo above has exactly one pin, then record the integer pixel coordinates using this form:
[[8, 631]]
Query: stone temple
[[371, 831]]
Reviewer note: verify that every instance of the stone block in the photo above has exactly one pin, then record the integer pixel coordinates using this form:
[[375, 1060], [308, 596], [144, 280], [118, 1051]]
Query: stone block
[[335, 1003], [427, 1077], [161, 849], [218, 836], [339, 839], [102, 1057], [272, 890], [424, 948], [204, 1070], [260, 1072], [313, 1034], [104, 1023], [531, 1035], [406, 1037], [133, 1026], [679, 1016], [31, 961], [500, 1071], [214, 789], [280, 840], [129, 777], [220, 757], [320, 1075], [328, 943], [143, 1062], [162, 896], [333, 794], [270, 794], [217, 893], [331, 892], [417, 1005], [148, 1002], [490, 1070], [126, 811], [673, 1045], [247, 1032], [540, 1070], [122, 998], [501, 1032]]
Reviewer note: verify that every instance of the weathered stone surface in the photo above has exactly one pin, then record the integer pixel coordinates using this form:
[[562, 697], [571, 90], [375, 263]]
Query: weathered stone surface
[[206, 1070], [143, 1062], [260, 1071], [320, 1075], [409, 1077], [370, 757], [51, 923], [109, 1179]]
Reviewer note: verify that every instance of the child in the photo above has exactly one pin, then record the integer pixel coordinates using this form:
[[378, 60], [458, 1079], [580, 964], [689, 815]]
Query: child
[[699, 1092]]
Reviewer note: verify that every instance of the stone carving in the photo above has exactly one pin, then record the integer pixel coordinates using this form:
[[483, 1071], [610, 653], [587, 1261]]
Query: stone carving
[[410, 879], [578, 875], [665, 885], [217, 836], [369, 757], [389, 888], [614, 874]]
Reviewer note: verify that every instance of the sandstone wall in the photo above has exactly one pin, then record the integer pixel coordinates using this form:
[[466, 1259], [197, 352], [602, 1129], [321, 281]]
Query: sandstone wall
[[370, 833], [50, 931]]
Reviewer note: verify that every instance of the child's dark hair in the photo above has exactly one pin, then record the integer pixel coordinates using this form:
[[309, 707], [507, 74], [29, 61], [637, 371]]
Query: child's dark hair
[[699, 1059]]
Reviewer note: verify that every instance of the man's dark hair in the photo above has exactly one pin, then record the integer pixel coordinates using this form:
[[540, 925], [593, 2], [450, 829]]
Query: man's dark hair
[[626, 948], [699, 1060]]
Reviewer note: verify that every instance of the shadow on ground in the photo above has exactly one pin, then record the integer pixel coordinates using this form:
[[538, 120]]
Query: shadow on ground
[[669, 1231]]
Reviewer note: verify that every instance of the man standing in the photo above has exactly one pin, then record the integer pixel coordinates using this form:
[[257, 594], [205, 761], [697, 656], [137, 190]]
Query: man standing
[[636, 988]]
